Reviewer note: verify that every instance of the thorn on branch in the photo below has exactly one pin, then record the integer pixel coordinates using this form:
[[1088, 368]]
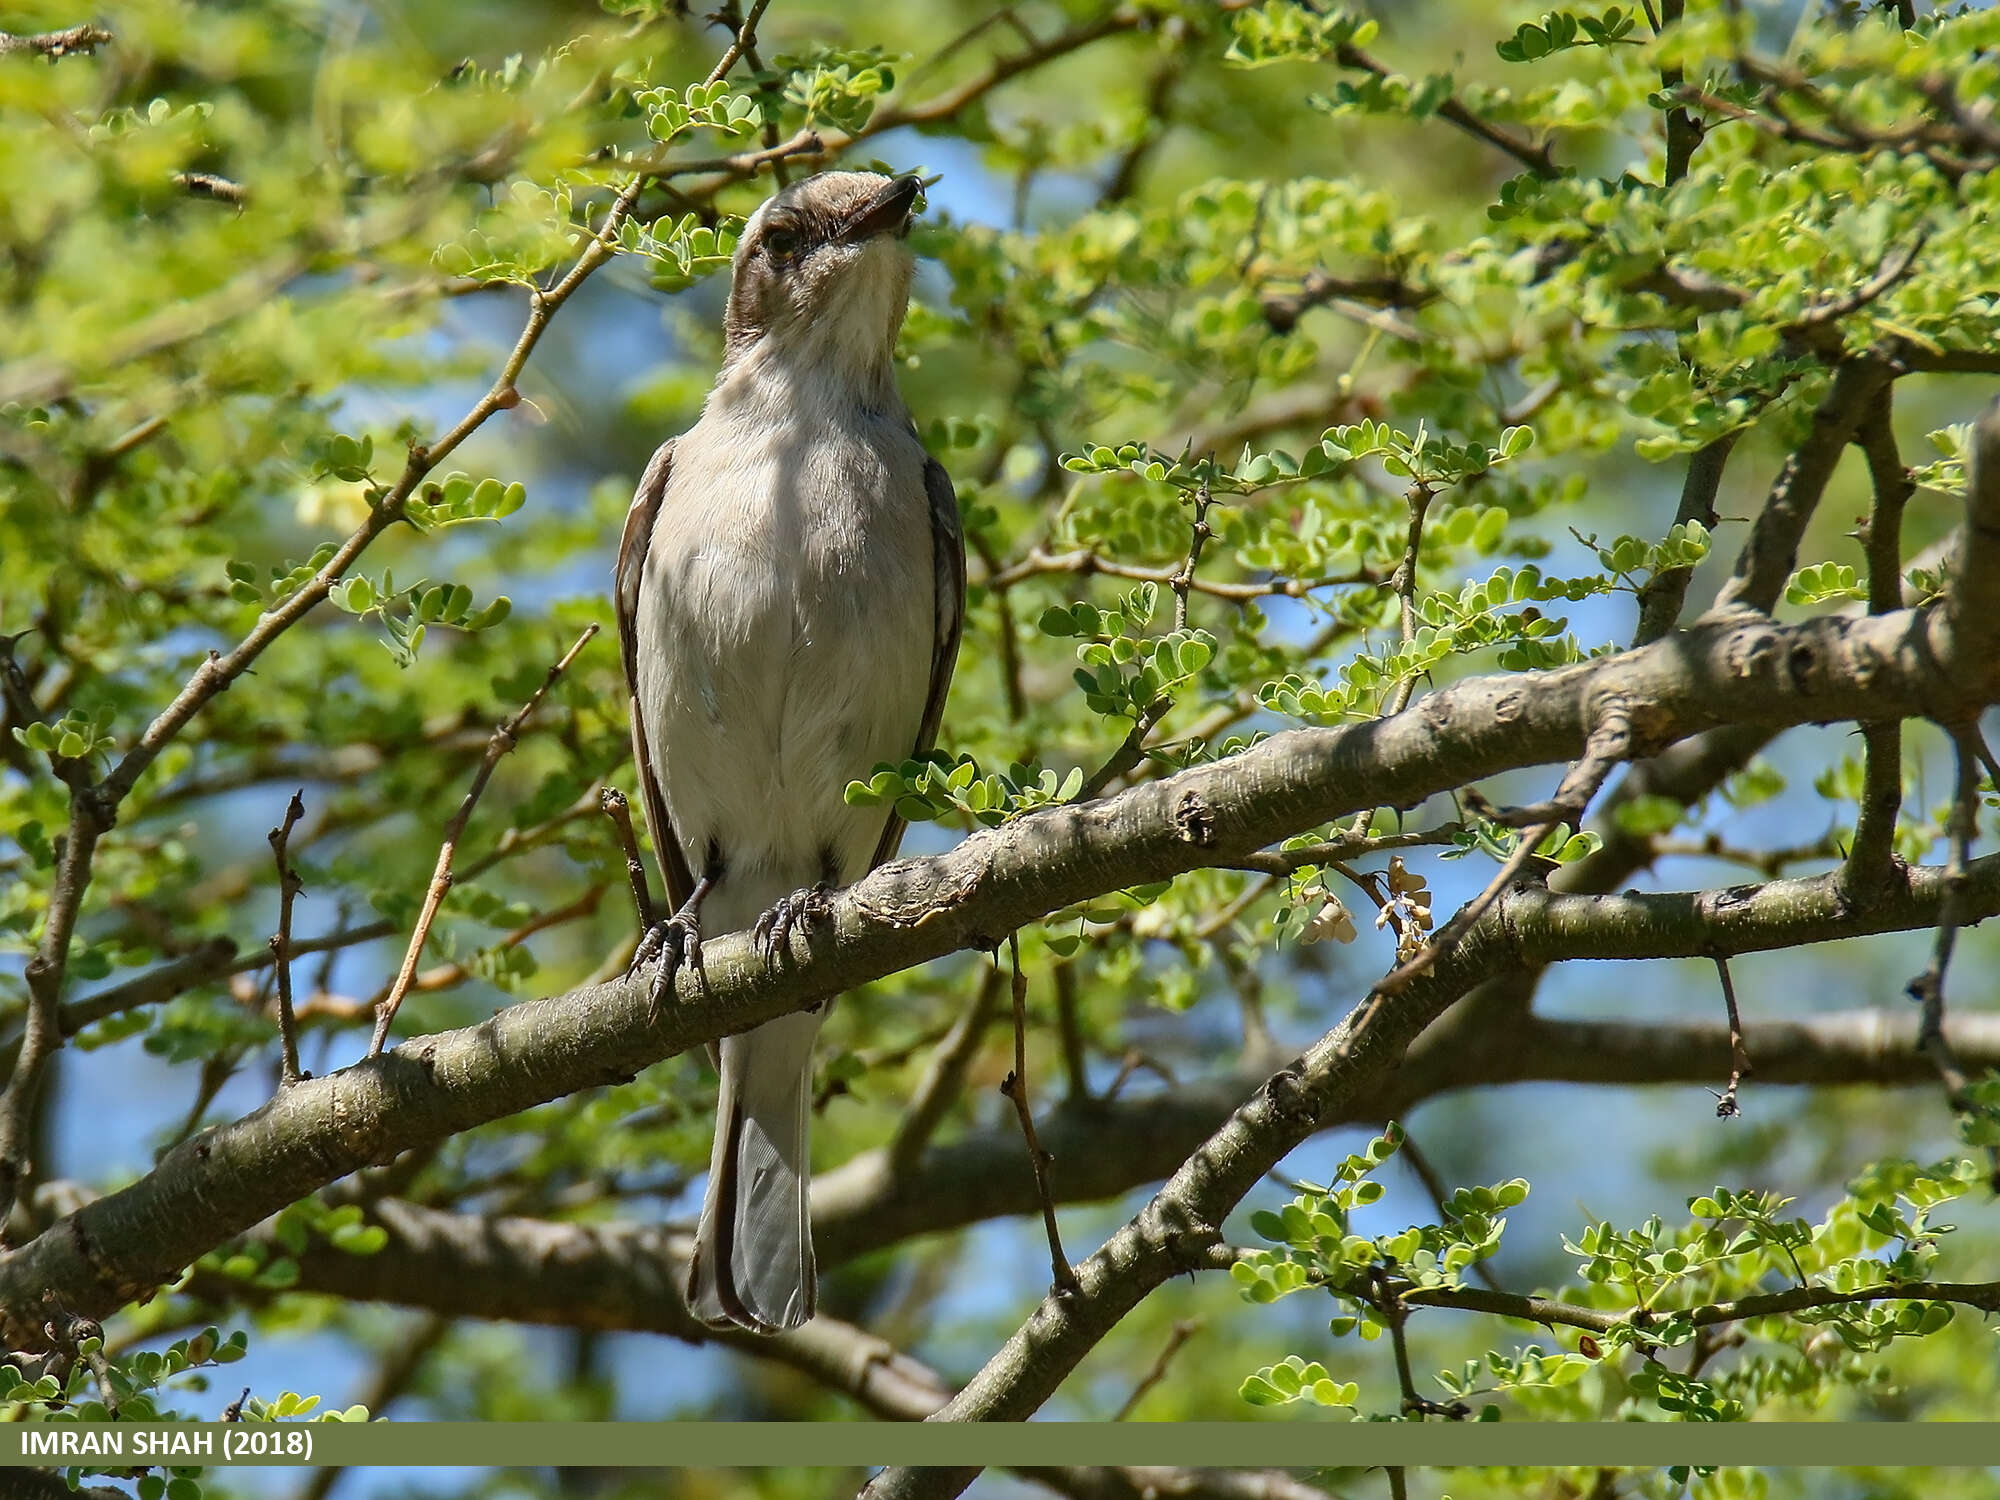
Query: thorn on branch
[[502, 741], [1015, 1087], [289, 886]]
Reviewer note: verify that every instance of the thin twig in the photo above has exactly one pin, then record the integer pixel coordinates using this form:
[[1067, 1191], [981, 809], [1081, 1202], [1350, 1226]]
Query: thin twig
[[1341, 850], [1183, 1330], [1084, 562], [1608, 745], [55, 44], [745, 47], [503, 740], [289, 885], [1015, 1087], [1726, 1107], [1663, 594], [1404, 582], [1133, 1062], [444, 976], [208, 185], [1184, 579], [1132, 749], [744, 40], [1535, 158], [943, 1079], [1076, 1063], [1427, 1174], [1388, 1301], [1927, 989], [619, 811]]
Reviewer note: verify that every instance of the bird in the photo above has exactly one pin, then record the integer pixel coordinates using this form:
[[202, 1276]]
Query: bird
[[790, 590]]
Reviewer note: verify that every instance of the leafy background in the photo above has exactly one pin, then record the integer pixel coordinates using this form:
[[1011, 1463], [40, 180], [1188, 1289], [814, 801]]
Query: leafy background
[[1120, 248]]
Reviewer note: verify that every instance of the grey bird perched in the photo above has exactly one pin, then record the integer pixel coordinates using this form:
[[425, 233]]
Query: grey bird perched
[[790, 588]]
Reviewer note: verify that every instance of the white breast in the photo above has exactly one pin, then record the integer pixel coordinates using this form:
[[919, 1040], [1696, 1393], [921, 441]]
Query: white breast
[[790, 583]]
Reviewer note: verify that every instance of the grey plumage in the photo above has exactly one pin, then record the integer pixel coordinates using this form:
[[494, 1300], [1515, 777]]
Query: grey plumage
[[789, 590]]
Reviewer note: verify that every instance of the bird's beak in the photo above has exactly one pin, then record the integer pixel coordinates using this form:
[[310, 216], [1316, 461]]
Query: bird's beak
[[888, 212]]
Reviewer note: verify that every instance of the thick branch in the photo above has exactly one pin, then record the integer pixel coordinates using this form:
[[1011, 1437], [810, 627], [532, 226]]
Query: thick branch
[[1974, 597], [1772, 551], [1177, 1231], [1744, 668], [1665, 592], [609, 1275], [1882, 790]]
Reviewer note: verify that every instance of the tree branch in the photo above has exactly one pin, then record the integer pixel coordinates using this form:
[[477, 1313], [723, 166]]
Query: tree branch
[[604, 1274], [1015, 1087], [1882, 786], [1535, 158], [54, 44], [944, 1078], [289, 886], [503, 740], [1973, 597], [1743, 668], [1768, 557], [1661, 598]]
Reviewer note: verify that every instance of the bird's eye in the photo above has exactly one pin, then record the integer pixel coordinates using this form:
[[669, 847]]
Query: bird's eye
[[782, 244]]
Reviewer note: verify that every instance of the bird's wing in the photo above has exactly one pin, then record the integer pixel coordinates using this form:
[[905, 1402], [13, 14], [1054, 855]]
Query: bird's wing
[[632, 549], [948, 572]]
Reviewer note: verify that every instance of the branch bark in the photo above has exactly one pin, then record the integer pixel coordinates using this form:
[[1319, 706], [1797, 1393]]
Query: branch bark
[[622, 1276], [1743, 668], [85, 39], [1178, 1230]]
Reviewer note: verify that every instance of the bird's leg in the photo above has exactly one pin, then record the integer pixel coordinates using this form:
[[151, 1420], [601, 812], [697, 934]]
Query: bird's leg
[[675, 942], [806, 908]]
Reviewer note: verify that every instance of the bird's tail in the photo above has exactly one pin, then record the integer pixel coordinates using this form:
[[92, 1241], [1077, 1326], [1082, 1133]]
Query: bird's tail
[[753, 1253]]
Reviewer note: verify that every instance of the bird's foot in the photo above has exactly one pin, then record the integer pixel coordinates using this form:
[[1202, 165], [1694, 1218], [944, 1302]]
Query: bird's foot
[[806, 908], [670, 946]]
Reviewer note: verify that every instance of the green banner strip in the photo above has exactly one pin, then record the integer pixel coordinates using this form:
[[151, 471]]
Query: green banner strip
[[867, 1444]]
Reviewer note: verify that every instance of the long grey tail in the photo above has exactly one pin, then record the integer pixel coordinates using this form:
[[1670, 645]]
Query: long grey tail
[[753, 1253]]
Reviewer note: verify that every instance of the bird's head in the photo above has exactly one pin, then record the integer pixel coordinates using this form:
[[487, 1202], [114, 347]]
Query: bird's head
[[822, 272]]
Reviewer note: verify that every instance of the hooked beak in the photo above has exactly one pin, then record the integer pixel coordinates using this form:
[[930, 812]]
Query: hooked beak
[[888, 212]]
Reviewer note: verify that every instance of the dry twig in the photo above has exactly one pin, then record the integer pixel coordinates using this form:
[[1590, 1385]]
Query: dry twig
[[1015, 1087], [281, 946], [503, 740], [1183, 1330], [1726, 1107], [619, 811]]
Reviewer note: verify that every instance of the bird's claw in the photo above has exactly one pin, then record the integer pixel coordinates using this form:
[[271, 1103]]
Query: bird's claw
[[675, 943], [804, 909]]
